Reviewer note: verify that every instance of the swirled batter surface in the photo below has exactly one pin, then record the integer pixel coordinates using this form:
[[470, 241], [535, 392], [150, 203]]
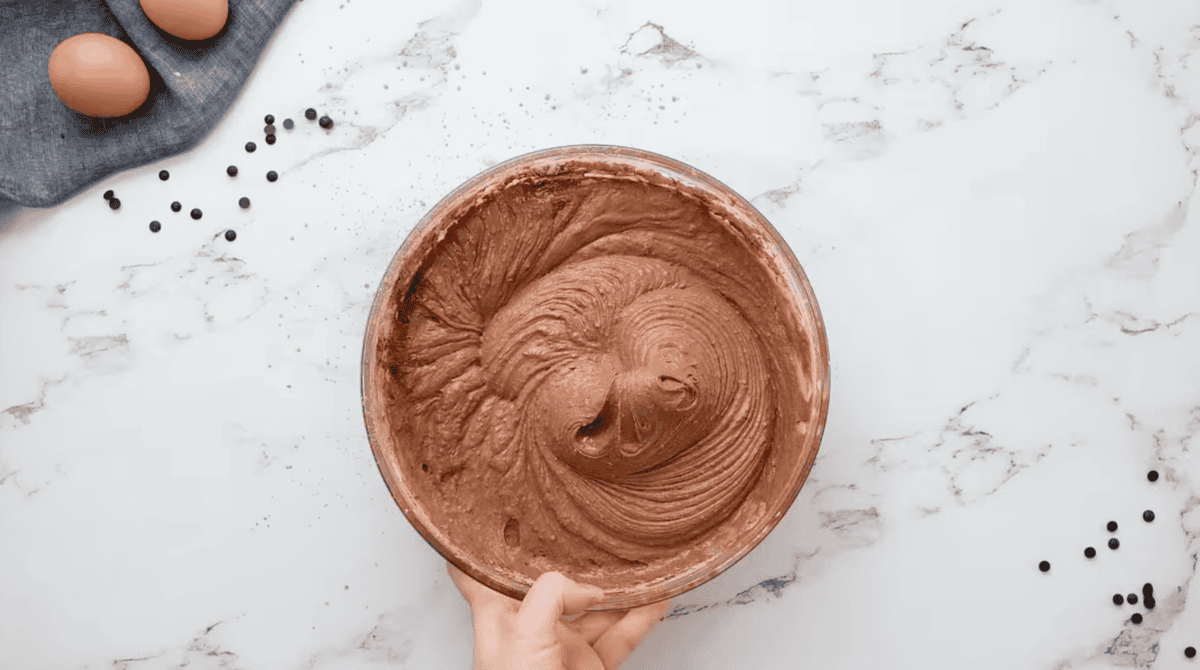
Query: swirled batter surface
[[587, 375]]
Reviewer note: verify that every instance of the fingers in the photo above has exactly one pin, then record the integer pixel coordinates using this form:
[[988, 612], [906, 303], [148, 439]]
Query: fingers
[[488, 610], [618, 642], [593, 624], [489, 637], [577, 652], [480, 597], [455, 573], [578, 597], [467, 586], [552, 596]]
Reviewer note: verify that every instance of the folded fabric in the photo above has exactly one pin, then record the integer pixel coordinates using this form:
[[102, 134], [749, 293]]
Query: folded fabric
[[49, 153]]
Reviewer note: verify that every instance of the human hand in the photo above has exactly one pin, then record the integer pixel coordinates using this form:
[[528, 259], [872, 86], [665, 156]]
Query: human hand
[[533, 634]]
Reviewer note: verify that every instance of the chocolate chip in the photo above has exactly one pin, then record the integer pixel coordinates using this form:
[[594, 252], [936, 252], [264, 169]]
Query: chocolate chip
[[272, 175], [114, 202], [269, 118], [1132, 598], [164, 175], [196, 213], [155, 226], [250, 147], [287, 123], [231, 170], [310, 113], [1150, 603], [1190, 652], [108, 194], [1148, 589], [1089, 552], [270, 139], [1148, 515], [1113, 543], [1118, 599], [1112, 526], [1152, 475], [1137, 618], [269, 129], [326, 122], [230, 235], [1044, 566], [244, 202], [175, 206]]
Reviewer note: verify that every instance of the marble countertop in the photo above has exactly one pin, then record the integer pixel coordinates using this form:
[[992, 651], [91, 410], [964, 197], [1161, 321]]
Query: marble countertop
[[993, 204]]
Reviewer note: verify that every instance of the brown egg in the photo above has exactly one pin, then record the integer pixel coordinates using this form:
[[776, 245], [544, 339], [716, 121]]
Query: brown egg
[[188, 19], [98, 75]]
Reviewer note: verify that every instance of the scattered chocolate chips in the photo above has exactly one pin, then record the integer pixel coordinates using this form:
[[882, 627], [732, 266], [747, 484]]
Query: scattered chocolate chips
[[1132, 598], [1152, 475], [1044, 566], [310, 113], [1148, 515], [114, 202], [272, 175], [1089, 552], [231, 170], [108, 194], [1113, 543], [250, 147], [175, 206], [244, 202], [269, 129], [287, 123], [164, 175], [1136, 618], [155, 226], [326, 122], [269, 118], [1190, 652], [1112, 526], [1118, 599], [230, 235], [196, 213], [270, 139]]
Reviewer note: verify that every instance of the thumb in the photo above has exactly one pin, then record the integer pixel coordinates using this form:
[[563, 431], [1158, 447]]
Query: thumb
[[618, 642], [552, 596]]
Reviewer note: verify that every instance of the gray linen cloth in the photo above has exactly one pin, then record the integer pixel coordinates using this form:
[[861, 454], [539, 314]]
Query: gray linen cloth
[[49, 153]]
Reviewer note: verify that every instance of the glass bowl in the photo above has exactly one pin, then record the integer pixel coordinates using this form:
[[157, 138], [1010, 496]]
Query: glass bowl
[[802, 386]]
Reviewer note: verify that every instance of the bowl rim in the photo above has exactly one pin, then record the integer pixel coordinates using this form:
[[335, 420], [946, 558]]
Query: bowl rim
[[374, 410]]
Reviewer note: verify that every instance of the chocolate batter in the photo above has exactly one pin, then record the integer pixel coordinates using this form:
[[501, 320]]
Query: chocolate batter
[[593, 371]]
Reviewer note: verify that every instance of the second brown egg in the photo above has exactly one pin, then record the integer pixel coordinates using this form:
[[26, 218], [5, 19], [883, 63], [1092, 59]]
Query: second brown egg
[[188, 19]]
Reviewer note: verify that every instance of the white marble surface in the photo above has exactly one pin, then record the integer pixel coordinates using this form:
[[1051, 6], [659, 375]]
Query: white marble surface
[[994, 203]]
